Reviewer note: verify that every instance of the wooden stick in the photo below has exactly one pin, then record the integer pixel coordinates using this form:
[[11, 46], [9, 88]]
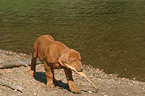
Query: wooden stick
[[16, 64], [11, 86], [10, 65], [82, 74]]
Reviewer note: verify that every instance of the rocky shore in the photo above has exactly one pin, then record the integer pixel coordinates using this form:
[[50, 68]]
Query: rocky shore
[[109, 84]]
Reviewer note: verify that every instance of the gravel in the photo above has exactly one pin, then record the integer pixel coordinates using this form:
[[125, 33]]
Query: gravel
[[109, 84]]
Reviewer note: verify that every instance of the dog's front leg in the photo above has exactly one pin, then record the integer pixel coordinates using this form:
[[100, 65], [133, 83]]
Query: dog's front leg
[[69, 77], [49, 75]]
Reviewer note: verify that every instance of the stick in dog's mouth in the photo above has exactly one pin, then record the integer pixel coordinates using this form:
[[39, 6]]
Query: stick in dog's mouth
[[82, 74]]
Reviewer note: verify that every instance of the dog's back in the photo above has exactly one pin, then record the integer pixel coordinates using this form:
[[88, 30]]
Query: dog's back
[[40, 46]]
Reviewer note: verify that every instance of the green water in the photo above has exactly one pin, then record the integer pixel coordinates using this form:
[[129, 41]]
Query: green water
[[109, 34]]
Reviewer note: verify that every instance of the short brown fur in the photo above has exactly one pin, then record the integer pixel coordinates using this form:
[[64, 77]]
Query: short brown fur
[[55, 55]]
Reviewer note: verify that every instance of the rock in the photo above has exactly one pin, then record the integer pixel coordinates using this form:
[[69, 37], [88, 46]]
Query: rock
[[35, 94], [90, 91]]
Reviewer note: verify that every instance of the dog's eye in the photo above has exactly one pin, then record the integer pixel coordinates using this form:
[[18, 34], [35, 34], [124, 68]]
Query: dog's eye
[[74, 60]]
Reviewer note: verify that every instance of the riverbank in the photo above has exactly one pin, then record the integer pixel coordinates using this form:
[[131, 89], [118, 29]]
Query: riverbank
[[109, 84]]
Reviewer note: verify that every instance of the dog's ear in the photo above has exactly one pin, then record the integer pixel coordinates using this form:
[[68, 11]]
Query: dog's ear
[[64, 58]]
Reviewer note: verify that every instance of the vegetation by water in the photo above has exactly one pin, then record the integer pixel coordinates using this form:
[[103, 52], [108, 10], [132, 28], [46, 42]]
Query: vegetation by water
[[109, 34]]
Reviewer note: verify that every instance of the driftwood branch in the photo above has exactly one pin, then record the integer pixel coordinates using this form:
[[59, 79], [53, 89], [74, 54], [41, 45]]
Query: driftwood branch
[[11, 86], [14, 64]]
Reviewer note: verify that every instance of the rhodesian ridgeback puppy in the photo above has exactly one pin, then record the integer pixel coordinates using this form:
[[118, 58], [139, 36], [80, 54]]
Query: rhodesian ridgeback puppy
[[55, 55]]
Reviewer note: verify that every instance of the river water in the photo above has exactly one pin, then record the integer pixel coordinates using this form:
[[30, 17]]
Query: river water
[[109, 34]]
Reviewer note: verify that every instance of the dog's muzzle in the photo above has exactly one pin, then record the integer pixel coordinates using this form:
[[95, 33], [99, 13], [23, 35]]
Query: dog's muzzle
[[80, 69]]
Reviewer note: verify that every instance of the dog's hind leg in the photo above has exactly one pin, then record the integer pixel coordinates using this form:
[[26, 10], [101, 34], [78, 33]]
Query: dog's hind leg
[[33, 61]]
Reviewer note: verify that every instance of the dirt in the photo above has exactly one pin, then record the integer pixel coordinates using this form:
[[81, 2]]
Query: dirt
[[108, 84]]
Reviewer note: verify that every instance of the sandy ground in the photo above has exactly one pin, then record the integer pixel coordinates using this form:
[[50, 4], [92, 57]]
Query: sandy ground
[[109, 84]]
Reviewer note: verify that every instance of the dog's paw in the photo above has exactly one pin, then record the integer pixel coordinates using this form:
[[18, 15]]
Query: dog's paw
[[50, 85], [31, 73], [76, 91]]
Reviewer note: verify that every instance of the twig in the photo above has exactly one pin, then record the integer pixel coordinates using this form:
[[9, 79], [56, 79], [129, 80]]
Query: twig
[[11, 86], [10, 65], [16, 64]]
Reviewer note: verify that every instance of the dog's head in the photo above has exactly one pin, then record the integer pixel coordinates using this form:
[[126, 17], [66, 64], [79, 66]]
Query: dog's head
[[73, 58]]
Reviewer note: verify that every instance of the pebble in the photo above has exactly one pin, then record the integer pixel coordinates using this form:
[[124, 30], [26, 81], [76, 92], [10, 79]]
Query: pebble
[[46, 89], [90, 91], [35, 94]]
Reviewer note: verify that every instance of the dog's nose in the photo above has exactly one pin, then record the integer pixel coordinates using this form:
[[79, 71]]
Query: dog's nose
[[80, 69]]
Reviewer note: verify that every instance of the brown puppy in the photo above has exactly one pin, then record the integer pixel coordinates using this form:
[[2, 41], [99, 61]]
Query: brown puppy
[[54, 55]]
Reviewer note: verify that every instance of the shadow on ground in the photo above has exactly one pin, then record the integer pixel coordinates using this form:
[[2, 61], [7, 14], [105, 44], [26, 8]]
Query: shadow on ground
[[41, 77]]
